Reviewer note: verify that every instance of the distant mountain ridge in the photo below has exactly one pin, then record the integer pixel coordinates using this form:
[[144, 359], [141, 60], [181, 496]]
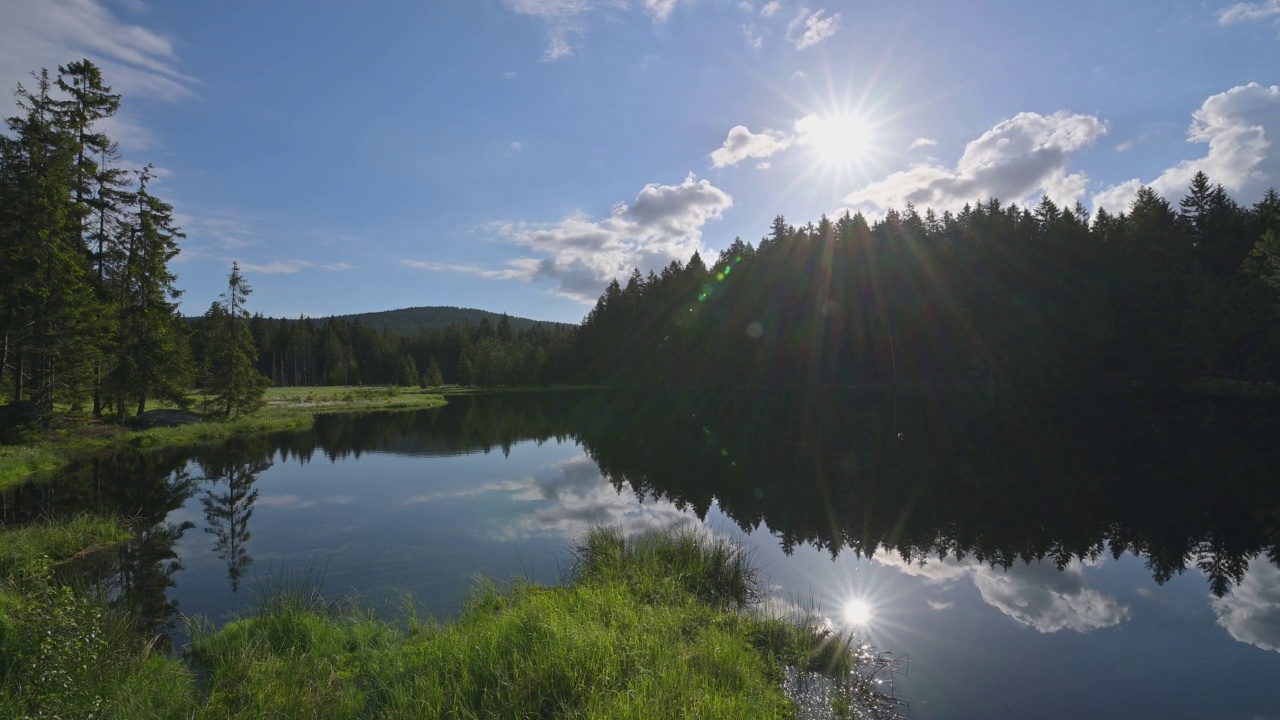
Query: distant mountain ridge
[[408, 321]]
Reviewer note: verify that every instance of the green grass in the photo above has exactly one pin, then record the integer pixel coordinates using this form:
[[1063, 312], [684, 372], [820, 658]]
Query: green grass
[[30, 551], [652, 626], [287, 409]]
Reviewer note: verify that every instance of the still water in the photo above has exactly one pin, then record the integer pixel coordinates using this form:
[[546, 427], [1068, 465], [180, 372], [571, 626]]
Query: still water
[[1052, 557]]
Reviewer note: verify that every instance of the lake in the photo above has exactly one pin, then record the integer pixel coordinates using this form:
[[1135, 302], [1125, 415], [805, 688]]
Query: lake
[[1048, 556]]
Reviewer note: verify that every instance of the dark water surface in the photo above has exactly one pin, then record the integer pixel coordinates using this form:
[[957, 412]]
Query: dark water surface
[[1046, 558]]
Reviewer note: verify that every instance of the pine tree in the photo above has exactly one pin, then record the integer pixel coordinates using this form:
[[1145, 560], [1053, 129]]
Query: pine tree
[[151, 352], [45, 295], [433, 377], [232, 358]]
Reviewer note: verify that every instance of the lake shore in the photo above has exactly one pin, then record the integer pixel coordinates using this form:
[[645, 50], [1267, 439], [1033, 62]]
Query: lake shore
[[645, 625], [290, 408]]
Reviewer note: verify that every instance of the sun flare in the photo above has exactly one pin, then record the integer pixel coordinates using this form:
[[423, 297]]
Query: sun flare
[[838, 140], [857, 612]]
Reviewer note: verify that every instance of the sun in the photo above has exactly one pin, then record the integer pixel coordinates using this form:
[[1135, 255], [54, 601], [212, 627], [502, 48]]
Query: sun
[[837, 140], [857, 612]]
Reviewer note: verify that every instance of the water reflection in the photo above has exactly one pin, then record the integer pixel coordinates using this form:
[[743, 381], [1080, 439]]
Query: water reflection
[[1024, 503], [228, 501], [1251, 612], [1037, 594]]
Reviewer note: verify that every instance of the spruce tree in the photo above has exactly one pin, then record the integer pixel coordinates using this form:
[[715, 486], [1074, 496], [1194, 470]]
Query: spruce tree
[[45, 295], [152, 355], [237, 385]]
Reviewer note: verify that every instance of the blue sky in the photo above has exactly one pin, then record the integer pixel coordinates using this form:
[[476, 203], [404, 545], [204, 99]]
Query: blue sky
[[513, 155]]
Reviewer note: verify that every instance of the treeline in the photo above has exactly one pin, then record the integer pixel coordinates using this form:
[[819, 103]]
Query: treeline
[[87, 298], [994, 293], [339, 351]]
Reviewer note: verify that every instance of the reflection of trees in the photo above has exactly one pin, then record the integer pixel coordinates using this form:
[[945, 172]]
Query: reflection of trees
[[228, 508], [143, 489], [1180, 481]]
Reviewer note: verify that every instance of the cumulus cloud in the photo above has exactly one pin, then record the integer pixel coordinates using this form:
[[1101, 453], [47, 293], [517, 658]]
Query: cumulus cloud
[[566, 20], [742, 144], [1037, 595], [1251, 611], [923, 142], [581, 255], [1250, 12], [811, 28], [754, 39], [770, 8], [1018, 159], [1240, 127]]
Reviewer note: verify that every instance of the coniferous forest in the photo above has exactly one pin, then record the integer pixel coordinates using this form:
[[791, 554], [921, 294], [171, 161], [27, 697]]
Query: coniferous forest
[[1166, 292]]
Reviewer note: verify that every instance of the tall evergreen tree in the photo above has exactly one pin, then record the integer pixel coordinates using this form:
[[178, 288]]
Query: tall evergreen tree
[[45, 295], [237, 385], [152, 352]]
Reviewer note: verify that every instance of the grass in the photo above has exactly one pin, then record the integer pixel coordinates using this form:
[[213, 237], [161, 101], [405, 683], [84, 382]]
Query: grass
[[31, 551], [286, 409], [651, 626]]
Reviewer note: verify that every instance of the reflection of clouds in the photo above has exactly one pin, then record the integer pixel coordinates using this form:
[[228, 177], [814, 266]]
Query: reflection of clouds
[[939, 605], [293, 502], [580, 497], [1037, 595], [484, 489], [1251, 611], [568, 498]]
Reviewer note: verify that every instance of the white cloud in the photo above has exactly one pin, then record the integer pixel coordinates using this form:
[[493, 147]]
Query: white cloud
[[1251, 611], [289, 267], [923, 142], [770, 8], [764, 165], [580, 255], [213, 231], [741, 144], [1249, 12], [810, 28], [753, 39], [135, 61], [661, 9], [1037, 595], [1240, 127], [1016, 160], [515, 148], [936, 605], [566, 20], [519, 269]]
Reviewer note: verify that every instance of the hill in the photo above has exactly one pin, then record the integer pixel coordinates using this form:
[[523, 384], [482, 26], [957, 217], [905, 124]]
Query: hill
[[408, 321]]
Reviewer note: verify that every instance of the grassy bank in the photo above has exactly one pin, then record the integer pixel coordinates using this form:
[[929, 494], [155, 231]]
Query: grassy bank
[[286, 409], [649, 627]]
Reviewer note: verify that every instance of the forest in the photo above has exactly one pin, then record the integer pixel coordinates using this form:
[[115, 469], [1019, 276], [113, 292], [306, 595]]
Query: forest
[[1022, 295], [1159, 295]]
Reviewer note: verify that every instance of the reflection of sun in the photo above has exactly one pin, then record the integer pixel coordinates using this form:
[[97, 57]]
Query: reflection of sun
[[838, 140], [857, 612]]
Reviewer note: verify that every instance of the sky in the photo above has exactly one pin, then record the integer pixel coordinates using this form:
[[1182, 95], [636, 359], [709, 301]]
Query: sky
[[516, 155]]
